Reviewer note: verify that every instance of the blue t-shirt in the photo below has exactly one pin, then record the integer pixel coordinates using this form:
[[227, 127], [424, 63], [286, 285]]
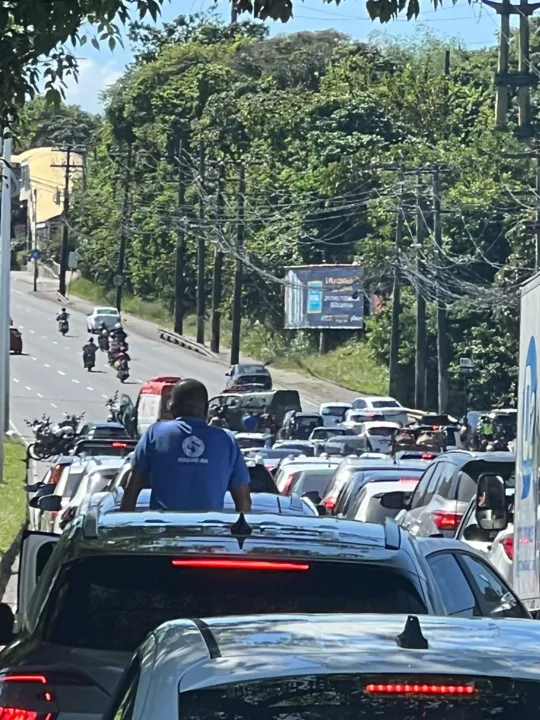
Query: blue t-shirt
[[191, 464]]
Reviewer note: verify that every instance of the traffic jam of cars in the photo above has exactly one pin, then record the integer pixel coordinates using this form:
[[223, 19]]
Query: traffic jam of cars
[[374, 576]]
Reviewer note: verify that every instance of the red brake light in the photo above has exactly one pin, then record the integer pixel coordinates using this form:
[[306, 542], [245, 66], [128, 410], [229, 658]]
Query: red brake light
[[240, 564], [408, 480], [288, 483], [54, 677], [329, 503], [410, 689], [31, 677], [427, 456], [19, 714], [446, 520], [508, 546], [119, 445], [55, 474]]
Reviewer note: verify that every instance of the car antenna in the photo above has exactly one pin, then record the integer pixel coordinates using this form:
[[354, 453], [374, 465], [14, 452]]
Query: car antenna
[[241, 530], [411, 638]]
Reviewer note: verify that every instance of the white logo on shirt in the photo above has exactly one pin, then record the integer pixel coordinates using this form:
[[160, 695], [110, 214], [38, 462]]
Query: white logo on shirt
[[193, 446]]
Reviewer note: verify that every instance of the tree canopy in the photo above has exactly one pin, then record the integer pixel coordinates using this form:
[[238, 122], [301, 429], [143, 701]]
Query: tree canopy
[[323, 125]]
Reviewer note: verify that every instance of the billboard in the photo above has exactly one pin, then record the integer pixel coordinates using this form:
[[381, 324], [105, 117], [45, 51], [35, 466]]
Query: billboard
[[324, 296]]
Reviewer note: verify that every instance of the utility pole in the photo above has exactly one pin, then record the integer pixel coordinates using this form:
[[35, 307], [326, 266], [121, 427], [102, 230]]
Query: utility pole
[[201, 251], [119, 281], [239, 268], [396, 301], [36, 270], [524, 79], [535, 225], [180, 241], [218, 262], [65, 228], [234, 13], [5, 266], [442, 319], [420, 340]]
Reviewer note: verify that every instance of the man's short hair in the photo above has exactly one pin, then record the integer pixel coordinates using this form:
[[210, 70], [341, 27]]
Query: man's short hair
[[187, 396]]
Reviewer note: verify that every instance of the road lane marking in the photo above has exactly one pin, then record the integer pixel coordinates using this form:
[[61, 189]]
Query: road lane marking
[[46, 365], [54, 342], [15, 380], [106, 398], [22, 327], [34, 358], [60, 372], [39, 395], [75, 381], [90, 388], [32, 331], [18, 292], [43, 337], [66, 347], [53, 405], [27, 387], [139, 380]]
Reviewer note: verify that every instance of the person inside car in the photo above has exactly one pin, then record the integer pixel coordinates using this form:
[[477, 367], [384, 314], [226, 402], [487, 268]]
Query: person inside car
[[188, 464]]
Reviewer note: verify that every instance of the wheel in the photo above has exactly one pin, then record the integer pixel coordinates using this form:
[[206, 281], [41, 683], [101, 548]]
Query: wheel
[[89, 368], [37, 451]]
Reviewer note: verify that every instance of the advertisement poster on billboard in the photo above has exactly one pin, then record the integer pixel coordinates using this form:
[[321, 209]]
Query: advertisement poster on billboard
[[324, 296]]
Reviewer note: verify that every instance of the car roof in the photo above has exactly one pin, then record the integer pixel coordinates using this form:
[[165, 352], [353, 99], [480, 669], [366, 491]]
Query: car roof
[[105, 425], [259, 647], [369, 424], [388, 486], [429, 545], [468, 455], [112, 310], [253, 435], [310, 461], [335, 404]]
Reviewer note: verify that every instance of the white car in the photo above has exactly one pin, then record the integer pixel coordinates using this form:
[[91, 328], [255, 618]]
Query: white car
[[332, 666], [108, 315], [375, 402], [380, 435], [367, 506], [333, 413]]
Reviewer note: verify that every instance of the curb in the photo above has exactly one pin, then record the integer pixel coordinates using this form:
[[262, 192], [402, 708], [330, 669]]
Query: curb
[[172, 337], [8, 559]]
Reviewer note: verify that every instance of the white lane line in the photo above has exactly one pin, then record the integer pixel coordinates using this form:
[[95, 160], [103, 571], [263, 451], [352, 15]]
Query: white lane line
[[90, 388], [66, 347], [75, 381], [34, 359], [106, 398], [139, 380], [15, 380], [53, 405], [32, 331], [18, 292], [60, 372], [43, 337], [39, 395], [27, 387], [54, 342], [22, 327], [45, 364]]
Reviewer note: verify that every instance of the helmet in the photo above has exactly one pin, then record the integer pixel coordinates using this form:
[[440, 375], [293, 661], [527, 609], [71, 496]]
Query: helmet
[[91, 340], [63, 309]]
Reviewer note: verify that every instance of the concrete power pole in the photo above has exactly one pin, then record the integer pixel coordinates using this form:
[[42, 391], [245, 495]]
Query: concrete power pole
[[239, 268], [395, 333], [5, 266], [181, 239], [420, 340], [442, 319], [218, 262], [123, 231], [201, 252]]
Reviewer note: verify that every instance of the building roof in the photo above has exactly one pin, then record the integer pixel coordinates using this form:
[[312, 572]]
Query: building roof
[[48, 181]]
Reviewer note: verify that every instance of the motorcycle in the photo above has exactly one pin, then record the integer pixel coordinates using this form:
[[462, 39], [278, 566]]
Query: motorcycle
[[114, 408], [89, 361], [123, 373], [50, 440], [103, 342], [63, 326]]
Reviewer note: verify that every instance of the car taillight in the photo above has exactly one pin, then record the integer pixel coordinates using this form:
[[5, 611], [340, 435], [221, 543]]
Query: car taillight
[[55, 474], [54, 677], [119, 445], [427, 456], [420, 689], [329, 503], [215, 564], [11, 713], [446, 520], [508, 545]]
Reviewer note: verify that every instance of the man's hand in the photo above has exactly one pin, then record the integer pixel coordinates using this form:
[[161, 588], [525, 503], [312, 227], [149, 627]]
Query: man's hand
[[242, 498], [136, 482]]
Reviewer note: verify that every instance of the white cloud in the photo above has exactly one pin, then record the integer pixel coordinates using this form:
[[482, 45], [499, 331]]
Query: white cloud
[[93, 79]]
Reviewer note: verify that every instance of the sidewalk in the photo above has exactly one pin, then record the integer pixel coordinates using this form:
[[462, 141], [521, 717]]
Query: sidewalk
[[313, 388]]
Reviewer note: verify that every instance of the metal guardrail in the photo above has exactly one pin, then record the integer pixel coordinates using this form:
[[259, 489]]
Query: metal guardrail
[[172, 337]]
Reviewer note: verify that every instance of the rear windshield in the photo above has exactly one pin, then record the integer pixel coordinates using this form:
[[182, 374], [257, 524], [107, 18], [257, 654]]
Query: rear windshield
[[325, 433], [376, 513], [347, 697], [113, 602], [316, 480], [382, 431], [334, 411], [252, 380], [408, 476], [385, 404], [251, 442], [99, 433]]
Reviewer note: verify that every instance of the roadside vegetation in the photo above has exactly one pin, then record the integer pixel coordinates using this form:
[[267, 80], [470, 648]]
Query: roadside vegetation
[[12, 494]]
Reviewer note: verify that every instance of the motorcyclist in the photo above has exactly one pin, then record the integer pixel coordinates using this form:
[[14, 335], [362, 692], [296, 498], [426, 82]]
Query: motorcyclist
[[487, 428], [62, 315], [118, 333], [89, 351]]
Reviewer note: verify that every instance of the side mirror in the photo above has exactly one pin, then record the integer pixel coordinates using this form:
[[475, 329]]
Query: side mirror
[[491, 509], [34, 488], [314, 496], [396, 501], [7, 623], [50, 503], [34, 502], [227, 374]]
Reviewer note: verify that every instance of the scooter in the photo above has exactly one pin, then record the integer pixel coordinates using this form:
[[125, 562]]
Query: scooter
[[89, 362], [63, 326], [103, 342], [123, 373]]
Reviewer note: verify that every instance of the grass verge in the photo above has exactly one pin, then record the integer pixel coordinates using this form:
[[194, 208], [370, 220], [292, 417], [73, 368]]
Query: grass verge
[[351, 365], [12, 494]]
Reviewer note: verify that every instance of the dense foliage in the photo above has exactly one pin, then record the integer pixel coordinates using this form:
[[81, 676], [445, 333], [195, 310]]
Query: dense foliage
[[322, 125]]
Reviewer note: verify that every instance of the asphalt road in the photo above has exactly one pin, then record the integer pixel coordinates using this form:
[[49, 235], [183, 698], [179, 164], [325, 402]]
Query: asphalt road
[[49, 377]]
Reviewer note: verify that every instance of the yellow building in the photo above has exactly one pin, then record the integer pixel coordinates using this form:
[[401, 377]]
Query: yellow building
[[43, 177]]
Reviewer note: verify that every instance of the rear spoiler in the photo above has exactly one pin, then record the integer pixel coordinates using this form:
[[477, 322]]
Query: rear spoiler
[[118, 447]]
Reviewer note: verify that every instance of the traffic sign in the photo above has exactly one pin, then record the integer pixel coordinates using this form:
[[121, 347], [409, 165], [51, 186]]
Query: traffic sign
[[35, 254], [118, 280], [72, 260]]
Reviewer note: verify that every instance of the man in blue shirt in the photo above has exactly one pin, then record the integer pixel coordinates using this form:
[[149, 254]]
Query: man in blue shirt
[[188, 464]]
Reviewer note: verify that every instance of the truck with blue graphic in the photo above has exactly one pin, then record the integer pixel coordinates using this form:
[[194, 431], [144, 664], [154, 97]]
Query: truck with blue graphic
[[526, 566]]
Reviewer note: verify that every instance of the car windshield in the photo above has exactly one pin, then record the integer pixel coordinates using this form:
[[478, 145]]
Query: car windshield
[[376, 513], [251, 380], [98, 433], [112, 602], [69, 481], [351, 697], [318, 480], [245, 442], [325, 433], [307, 421], [334, 410], [385, 403], [107, 311]]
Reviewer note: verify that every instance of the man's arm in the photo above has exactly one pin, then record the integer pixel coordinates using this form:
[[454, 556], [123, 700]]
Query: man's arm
[[239, 480], [140, 476]]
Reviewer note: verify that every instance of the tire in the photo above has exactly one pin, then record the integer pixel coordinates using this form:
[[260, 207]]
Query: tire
[[38, 452]]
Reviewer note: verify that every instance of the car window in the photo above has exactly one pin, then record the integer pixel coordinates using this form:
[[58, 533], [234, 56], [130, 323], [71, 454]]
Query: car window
[[455, 590], [69, 481], [359, 404], [421, 488], [497, 596], [318, 481], [445, 481], [106, 602], [466, 487], [433, 486], [348, 493], [385, 404], [376, 513]]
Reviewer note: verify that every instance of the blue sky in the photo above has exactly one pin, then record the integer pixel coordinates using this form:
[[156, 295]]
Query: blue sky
[[475, 25]]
